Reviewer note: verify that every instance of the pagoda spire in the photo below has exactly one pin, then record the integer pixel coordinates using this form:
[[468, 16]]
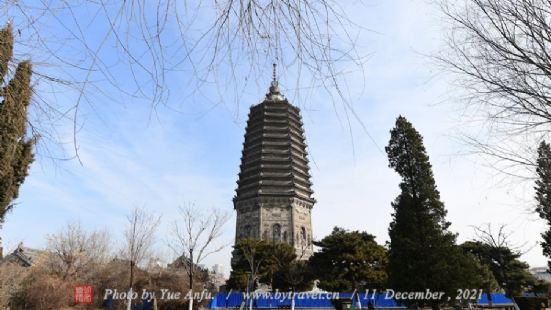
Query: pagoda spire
[[274, 93]]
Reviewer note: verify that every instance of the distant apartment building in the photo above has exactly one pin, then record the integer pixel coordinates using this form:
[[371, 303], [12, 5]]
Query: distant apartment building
[[217, 277], [541, 273], [218, 269]]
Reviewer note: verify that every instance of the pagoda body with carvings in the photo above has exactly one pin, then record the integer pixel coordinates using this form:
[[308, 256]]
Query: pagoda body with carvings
[[274, 197]]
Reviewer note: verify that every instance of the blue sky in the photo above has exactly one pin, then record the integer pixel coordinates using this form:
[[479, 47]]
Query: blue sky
[[188, 150]]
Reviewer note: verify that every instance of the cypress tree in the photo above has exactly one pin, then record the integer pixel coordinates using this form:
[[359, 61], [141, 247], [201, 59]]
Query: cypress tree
[[422, 252], [15, 148], [543, 195]]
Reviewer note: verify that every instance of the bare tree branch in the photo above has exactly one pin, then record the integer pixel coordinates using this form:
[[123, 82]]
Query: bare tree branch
[[76, 251], [195, 236], [105, 51], [498, 51]]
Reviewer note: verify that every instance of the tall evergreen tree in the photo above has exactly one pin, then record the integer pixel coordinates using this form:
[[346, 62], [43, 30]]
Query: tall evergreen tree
[[543, 195], [422, 252], [15, 148]]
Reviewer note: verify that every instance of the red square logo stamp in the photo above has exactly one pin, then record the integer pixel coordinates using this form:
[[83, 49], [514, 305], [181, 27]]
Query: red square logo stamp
[[83, 294]]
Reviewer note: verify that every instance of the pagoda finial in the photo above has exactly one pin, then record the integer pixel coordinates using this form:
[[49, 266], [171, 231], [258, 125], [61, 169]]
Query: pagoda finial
[[274, 93]]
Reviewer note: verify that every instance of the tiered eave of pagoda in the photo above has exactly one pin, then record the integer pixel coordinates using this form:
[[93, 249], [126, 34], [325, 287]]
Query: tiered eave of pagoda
[[274, 160]]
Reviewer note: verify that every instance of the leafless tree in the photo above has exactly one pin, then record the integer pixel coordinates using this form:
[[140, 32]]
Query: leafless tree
[[500, 238], [139, 238], [253, 252], [76, 251], [488, 236], [114, 51], [196, 237], [499, 51], [11, 280]]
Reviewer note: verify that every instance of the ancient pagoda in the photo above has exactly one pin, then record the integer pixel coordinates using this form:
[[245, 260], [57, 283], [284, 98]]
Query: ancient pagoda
[[274, 195]]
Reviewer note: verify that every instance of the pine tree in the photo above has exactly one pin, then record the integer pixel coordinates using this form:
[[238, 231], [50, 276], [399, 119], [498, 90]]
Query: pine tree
[[543, 195], [510, 273], [15, 148], [422, 252], [349, 260]]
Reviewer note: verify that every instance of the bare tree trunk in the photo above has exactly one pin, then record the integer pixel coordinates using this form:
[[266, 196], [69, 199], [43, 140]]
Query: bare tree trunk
[[131, 274], [129, 304], [190, 274], [292, 299]]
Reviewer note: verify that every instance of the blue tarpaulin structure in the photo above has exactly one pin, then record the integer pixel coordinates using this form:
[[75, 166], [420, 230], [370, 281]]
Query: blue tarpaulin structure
[[497, 299], [302, 300], [305, 300]]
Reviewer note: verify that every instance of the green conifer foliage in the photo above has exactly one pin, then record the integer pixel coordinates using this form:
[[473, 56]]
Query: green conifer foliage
[[15, 148], [349, 260], [422, 252]]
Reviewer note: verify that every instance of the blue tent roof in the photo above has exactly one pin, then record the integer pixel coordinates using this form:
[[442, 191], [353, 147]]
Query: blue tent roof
[[379, 301], [497, 299], [302, 300], [322, 300], [224, 300]]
